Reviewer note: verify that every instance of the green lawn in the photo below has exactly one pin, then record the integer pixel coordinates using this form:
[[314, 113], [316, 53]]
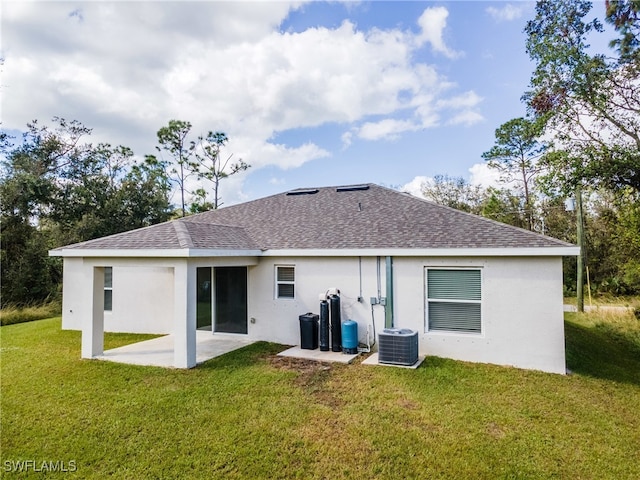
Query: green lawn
[[249, 414]]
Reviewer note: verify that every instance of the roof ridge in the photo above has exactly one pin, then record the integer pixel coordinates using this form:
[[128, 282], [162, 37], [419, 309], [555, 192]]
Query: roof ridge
[[331, 187], [182, 234], [214, 224]]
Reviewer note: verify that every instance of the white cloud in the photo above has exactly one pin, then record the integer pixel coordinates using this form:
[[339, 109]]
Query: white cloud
[[415, 186], [433, 21], [387, 129], [127, 68], [347, 138], [484, 176], [464, 108], [468, 99], [507, 13], [466, 118]]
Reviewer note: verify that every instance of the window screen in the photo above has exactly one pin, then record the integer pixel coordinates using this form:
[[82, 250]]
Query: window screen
[[285, 281], [454, 300]]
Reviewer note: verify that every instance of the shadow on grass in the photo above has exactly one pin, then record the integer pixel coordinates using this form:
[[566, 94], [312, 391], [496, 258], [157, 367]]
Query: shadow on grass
[[596, 353], [243, 357]]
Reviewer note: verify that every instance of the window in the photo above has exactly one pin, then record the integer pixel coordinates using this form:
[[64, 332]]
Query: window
[[108, 288], [285, 281], [454, 299]]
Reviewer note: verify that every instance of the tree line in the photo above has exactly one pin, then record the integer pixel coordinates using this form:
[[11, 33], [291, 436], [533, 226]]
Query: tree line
[[580, 138], [57, 189]]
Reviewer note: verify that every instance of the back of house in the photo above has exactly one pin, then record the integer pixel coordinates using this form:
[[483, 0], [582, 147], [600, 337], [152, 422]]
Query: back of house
[[474, 289]]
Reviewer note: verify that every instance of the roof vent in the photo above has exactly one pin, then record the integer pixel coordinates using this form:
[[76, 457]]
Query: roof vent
[[352, 188], [303, 191]]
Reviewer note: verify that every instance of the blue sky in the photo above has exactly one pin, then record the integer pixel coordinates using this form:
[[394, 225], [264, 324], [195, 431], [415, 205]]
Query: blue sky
[[309, 93]]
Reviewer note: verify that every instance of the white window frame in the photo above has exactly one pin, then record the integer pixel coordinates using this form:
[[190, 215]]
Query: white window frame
[[284, 282], [108, 288], [428, 300]]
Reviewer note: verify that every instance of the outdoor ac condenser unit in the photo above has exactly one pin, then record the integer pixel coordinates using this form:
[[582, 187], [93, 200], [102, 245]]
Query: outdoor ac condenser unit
[[398, 346]]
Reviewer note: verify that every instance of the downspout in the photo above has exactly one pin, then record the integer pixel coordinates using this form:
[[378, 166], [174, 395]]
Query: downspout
[[388, 308]]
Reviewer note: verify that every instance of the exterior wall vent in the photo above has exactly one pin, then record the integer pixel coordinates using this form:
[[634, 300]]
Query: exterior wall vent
[[352, 188]]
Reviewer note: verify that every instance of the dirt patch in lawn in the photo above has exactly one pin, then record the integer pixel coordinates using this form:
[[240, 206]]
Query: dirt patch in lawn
[[313, 377], [299, 365]]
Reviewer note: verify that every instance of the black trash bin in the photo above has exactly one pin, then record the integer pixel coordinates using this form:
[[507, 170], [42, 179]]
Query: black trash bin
[[309, 331]]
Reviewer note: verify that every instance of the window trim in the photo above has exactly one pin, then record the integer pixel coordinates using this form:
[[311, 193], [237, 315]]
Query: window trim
[[428, 300], [107, 288], [277, 282]]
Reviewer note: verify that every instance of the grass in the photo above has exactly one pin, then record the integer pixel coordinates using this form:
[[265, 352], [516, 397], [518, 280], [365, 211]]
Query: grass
[[249, 414], [10, 315], [608, 300], [604, 344]]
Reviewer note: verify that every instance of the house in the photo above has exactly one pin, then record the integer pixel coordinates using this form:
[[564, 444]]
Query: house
[[475, 289]]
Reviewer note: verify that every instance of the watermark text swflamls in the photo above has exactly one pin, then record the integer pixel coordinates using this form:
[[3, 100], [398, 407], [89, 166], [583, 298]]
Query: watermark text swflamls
[[18, 466]]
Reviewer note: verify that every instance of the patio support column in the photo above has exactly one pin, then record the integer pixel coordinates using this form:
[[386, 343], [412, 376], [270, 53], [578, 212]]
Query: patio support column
[[184, 347], [93, 315]]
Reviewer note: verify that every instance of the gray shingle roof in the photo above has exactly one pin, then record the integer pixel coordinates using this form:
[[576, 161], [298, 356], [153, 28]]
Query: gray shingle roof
[[356, 217], [177, 234]]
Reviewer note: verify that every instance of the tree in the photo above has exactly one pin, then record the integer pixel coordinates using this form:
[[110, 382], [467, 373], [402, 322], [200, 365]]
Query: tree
[[107, 191], [28, 274], [33, 169], [200, 203], [173, 139], [56, 190], [515, 155], [624, 15], [504, 206], [30, 176], [613, 241], [143, 196], [454, 192], [590, 102], [212, 166]]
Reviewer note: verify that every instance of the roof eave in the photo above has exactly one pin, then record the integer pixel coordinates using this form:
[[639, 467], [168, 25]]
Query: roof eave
[[559, 251], [153, 252]]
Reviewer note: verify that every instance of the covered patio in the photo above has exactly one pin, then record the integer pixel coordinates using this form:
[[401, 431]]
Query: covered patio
[[159, 352]]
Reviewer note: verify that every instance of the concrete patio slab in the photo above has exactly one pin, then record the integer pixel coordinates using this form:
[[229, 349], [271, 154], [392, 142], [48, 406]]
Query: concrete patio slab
[[318, 355], [373, 360], [158, 352]]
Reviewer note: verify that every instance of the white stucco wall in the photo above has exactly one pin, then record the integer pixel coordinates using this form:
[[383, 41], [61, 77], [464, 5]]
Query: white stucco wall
[[73, 293], [522, 318], [277, 319], [142, 296]]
